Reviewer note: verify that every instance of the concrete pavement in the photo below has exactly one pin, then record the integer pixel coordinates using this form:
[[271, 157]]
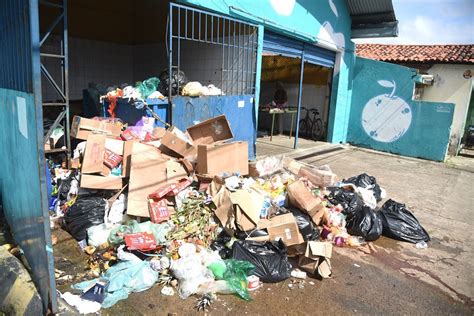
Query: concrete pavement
[[383, 277]]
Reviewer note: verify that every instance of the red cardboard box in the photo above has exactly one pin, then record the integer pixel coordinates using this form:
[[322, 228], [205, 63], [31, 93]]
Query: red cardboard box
[[159, 210], [140, 241], [111, 159]]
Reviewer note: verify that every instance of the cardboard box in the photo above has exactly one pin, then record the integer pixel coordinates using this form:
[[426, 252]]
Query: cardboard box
[[111, 159], [216, 159], [95, 154], [225, 210], [170, 189], [173, 140], [247, 206], [317, 258], [99, 182], [216, 129], [158, 132], [161, 210], [318, 177], [283, 227], [144, 241], [301, 197], [81, 128]]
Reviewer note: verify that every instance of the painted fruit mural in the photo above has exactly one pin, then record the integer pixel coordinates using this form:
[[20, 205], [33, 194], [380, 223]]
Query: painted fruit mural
[[386, 117]]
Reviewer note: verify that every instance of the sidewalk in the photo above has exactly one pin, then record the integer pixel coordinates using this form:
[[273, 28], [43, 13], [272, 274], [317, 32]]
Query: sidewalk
[[440, 196]]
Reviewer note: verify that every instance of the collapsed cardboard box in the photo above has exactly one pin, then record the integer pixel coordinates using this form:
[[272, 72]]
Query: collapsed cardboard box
[[247, 206], [178, 142], [322, 176], [317, 258], [301, 197], [241, 210], [100, 155], [216, 159], [149, 170], [214, 130], [81, 128]]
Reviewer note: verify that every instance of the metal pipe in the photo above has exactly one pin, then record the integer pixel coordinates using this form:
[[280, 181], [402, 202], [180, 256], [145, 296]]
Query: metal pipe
[[51, 28], [52, 82], [300, 91], [65, 52], [170, 60]]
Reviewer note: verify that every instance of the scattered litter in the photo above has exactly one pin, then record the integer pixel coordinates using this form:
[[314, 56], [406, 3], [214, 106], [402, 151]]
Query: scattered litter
[[421, 245], [167, 290], [296, 273], [82, 306], [207, 222]]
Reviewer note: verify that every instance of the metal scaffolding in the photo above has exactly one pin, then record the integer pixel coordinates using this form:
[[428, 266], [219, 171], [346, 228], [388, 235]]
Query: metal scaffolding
[[59, 82]]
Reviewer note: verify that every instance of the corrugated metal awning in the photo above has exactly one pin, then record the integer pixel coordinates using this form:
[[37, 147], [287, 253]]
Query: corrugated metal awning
[[372, 18]]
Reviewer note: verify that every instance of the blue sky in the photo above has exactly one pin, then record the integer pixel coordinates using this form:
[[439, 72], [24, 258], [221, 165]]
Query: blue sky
[[432, 22]]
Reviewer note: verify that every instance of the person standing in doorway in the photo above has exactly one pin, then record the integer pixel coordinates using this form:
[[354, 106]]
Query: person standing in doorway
[[280, 99]]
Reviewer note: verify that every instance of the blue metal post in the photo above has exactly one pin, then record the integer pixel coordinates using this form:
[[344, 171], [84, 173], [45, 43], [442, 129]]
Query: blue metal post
[[170, 62], [300, 91]]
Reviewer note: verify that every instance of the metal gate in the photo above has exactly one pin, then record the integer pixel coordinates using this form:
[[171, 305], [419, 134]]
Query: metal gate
[[22, 171]]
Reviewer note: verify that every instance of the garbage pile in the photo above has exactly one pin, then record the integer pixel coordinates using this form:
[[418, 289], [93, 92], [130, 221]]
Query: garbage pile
[[186, 210]]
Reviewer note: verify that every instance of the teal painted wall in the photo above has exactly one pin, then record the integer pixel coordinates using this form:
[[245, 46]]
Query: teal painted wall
[[384, 117], [326, 23]]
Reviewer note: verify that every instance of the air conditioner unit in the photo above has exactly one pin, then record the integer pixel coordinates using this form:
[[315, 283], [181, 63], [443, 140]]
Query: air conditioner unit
[[426, 79]]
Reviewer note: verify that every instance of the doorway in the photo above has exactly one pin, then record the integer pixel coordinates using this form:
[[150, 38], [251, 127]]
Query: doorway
[[295, 91]]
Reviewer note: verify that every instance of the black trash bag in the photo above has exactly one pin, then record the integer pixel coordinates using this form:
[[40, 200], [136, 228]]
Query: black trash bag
[[251, 233], [219, 244], [64, 185], [177, 79], [84, 213], [365, 181], [305, 225], [366, 223], [399, 223], [269, 258], [350, 201]]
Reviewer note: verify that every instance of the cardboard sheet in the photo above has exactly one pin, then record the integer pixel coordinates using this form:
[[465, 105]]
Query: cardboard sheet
[[99, 182], [147, 174], [94, 154], [223, 158], [248, 204], [81, 128]]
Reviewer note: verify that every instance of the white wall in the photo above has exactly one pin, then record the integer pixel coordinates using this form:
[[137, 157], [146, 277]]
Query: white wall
[[450, 86], [109, 63], [313, 97], [90, 61]]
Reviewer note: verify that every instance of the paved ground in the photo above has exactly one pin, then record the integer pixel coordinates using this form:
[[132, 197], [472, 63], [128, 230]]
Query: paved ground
[[384, 277]]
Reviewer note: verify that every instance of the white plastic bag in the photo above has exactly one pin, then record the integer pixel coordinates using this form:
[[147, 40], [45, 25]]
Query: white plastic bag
[[191, 274], [192, 89], [115, 214], [98, 234]]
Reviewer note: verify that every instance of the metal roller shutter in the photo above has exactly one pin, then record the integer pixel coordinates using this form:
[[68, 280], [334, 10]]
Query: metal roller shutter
[[278, 44]]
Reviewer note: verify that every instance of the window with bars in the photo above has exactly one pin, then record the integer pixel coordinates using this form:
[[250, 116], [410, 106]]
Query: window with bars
[[213, 49]]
